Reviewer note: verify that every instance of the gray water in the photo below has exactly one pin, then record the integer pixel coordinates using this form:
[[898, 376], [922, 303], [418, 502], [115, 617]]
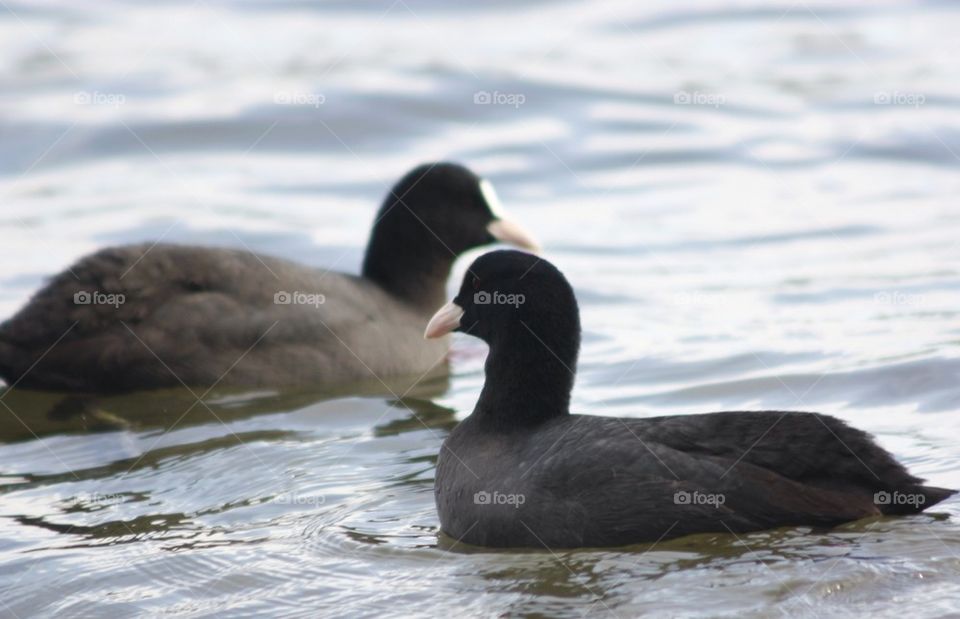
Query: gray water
[[756, 203]]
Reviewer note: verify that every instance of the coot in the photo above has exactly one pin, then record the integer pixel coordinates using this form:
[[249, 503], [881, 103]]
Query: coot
[[522, 471], [150, 316]]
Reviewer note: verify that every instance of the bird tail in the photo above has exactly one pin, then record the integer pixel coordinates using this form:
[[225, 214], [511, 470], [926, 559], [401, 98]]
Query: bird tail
[[910, 499]]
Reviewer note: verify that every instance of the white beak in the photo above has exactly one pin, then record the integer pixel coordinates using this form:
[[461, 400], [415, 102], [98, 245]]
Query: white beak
[[510, 232], [444, 321]]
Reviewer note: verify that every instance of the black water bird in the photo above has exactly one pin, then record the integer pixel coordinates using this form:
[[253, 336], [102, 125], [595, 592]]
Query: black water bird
[[159, 315], [522, 471]]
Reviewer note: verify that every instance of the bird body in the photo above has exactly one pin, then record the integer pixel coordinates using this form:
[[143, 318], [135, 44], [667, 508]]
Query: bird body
[[522, 471], [159, 315], [203, 316]]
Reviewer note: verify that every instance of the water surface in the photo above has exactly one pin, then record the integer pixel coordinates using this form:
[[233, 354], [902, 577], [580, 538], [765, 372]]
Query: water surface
[[755, 201]]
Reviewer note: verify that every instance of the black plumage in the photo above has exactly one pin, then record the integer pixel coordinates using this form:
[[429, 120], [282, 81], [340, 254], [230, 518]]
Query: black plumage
[[522, 471], [204, 316]]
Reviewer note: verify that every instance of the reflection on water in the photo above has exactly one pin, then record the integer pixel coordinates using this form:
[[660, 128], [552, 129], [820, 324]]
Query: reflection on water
[[162, 410], [756, 204]]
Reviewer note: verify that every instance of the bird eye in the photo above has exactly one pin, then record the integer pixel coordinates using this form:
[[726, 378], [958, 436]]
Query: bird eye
[[476, 283]]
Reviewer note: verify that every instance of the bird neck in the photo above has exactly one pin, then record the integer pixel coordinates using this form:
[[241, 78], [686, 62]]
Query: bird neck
[[529, 378], [407, 261]]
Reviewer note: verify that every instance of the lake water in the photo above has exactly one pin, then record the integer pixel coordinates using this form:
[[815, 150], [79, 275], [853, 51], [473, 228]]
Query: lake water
[[756, 203]]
